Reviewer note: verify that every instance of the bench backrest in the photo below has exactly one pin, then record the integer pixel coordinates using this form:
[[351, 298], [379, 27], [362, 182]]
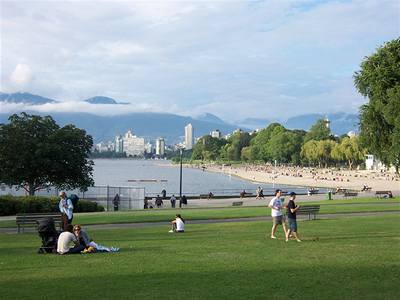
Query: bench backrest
[[382, 192], [239, 203], [33, 218], [308, 209]]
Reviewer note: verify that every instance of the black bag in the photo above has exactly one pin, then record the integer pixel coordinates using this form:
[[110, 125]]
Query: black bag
[[74, 199]]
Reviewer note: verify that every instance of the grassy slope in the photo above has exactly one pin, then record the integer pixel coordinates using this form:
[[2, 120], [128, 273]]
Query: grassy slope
[[351, 259]]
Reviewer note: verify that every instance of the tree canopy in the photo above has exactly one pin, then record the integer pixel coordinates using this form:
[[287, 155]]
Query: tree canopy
[[379, 81], [36, 153]]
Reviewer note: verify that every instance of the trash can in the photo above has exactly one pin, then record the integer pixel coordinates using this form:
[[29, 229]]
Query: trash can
[[330, 195]]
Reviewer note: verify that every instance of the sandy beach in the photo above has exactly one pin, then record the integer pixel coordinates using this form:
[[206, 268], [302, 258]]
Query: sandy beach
[[312, 177]]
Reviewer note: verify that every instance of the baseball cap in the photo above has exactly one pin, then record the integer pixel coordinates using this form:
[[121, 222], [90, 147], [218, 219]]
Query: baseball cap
[[292, 194]]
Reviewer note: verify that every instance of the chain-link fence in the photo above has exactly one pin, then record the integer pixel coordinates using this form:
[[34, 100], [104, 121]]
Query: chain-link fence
[[111, 197]]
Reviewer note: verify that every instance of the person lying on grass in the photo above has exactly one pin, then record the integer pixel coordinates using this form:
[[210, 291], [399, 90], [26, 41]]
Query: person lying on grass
[[88, 244], [178, 224]]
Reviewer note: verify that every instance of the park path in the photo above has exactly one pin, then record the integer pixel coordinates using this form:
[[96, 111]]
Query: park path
[[12, 230]]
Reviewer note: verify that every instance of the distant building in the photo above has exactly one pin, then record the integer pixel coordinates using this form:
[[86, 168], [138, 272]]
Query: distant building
[[373, 164], [133, 145], [104, 147], [189, 136], [216, 134], [119, 144], [351, 134], [160, 147], [327, 122], [148, 148]]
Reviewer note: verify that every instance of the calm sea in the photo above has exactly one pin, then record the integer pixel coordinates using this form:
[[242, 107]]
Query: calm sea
[[157, 175]]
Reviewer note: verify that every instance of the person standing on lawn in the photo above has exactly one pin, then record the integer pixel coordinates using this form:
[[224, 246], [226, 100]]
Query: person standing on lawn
[[66, 208], [276, 212], [291, 214]]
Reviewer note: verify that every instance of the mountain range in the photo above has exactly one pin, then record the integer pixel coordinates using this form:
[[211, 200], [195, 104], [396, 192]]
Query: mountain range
[[166, 125]]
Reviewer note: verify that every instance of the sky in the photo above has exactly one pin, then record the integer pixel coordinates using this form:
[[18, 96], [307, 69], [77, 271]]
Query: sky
[[235, 59]]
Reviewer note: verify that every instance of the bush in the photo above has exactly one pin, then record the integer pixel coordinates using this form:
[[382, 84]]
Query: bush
[[11, 205]]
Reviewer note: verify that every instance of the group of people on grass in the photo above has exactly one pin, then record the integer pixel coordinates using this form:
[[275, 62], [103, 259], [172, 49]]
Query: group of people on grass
[[74, 239], [278, 216]]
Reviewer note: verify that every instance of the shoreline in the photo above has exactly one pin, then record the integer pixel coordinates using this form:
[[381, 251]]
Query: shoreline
[[310, 177]]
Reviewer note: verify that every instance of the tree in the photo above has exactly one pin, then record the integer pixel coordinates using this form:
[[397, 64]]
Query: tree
[[208, 148], [350, 150], [379, 81], [318, 132], [233, 149], [36, 153]]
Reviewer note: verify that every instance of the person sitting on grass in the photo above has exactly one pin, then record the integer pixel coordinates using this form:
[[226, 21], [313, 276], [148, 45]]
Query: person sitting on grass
[[88, 244], [64, 241], [178, 224]]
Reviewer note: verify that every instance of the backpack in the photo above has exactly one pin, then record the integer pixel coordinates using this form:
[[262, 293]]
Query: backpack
[[74, 199]]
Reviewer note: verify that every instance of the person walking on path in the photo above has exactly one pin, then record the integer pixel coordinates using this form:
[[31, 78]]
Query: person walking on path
[[173, 201], [276, 212], [291, 214], [66, 208]]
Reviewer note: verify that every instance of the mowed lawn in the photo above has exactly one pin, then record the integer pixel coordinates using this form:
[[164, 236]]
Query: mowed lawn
[[349, 258]]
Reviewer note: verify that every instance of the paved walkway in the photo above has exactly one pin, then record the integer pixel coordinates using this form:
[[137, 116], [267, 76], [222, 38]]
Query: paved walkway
[[211, 221]]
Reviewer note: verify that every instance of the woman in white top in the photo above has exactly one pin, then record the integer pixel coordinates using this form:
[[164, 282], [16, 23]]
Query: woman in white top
[[178, 225]]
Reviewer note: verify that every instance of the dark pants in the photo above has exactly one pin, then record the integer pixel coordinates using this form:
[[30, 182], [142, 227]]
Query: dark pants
[[76, 249], [173, 204]]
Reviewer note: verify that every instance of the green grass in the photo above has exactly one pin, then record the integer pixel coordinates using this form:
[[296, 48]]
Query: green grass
[[350, 258], [158, 215]]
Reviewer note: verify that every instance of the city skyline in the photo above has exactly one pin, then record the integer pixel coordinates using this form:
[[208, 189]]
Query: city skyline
[[256, 58]]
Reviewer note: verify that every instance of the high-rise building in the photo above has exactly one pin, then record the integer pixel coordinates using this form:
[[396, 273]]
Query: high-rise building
[[189, 137], [160, 147], [133, 145], [119, 144], [216, 134]]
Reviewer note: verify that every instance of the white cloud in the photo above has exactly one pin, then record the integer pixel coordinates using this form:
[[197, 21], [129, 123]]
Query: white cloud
[[22, 75], [188, 57]]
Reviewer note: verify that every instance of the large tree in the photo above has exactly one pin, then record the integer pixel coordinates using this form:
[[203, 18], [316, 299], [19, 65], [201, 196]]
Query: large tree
[[318, 132], [379, 81], [36, 153]]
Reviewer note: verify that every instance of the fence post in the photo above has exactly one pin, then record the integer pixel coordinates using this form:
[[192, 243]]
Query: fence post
[[108, 198]]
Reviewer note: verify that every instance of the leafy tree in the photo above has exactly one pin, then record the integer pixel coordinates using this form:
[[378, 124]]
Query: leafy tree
[[260, 142], [379, 81], [36, 153], [318, 151], [309, 151], [208, 148], [350, 150], [318, 132], [233, 149]]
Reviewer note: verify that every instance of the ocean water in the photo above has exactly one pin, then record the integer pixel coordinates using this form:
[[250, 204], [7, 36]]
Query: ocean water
[[156, 175]]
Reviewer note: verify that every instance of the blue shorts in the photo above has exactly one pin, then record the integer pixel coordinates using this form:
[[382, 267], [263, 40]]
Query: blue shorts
[[292, 224]]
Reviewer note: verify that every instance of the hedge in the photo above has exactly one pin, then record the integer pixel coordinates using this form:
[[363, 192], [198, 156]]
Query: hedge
[[12, 205]]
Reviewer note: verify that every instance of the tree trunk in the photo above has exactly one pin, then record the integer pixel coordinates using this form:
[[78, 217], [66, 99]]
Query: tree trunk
[[31, 189]]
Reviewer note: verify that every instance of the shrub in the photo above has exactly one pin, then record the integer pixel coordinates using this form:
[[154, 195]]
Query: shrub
[[11, 205]]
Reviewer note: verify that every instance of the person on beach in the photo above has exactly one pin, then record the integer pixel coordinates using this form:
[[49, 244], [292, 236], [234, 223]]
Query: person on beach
[[178, 224], [66, 208], [276, 212], [291, 215]]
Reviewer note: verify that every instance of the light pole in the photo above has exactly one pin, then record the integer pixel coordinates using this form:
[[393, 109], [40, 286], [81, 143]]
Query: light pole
[[180, 178]]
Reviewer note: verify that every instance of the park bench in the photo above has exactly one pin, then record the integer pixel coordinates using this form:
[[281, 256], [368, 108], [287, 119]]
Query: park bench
[[309, 210], [32, 219], [340, 191], [382, 194], [351, 194], [237, 203]]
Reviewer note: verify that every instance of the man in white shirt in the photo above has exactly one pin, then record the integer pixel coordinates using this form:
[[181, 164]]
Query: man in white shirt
[[178, 225], [276, 212], [66, 239]]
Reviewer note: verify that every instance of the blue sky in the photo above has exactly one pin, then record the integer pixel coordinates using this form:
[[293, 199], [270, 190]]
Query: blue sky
[[235, 59]]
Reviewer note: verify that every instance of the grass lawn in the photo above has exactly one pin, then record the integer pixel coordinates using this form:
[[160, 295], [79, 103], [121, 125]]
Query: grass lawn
[[349, 258], [156, 215]]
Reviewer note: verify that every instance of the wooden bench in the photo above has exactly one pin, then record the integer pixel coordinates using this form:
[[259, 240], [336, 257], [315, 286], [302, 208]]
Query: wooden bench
[[382, 194], [238, 203], [309, 210], [351, 194], [32, 219]]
